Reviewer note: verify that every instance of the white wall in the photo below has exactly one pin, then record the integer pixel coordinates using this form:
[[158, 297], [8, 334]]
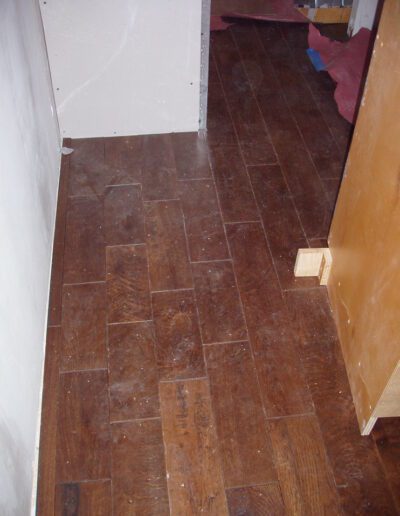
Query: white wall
[[124, 67], [29, 170], [362, 15]]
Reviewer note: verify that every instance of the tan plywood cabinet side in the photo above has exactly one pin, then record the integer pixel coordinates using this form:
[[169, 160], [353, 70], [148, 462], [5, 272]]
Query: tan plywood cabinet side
[[364, 284]]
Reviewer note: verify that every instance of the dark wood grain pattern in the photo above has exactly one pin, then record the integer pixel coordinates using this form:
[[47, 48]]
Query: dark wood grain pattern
[[244, 443], [48, 433], [233, 185], [139, 476], [123, 215], [123, 158], [57, 268], [220, 312], [178, 345], [128, 293], [191, 156], [84, 439], [204, 229], [133, 378], [168, 256], [256, 501], [246, 116], [191, 449], [84, 327], [83, 499], [284, 389], [158, 168], [304, 473], [354, 460], [84, 258], [88, 171], [281, 222]]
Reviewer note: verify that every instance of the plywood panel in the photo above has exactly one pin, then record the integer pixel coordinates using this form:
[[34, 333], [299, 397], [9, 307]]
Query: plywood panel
[[365, 236]]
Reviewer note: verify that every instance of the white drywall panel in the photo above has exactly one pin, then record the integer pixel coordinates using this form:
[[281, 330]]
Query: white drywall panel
[[124, 67], [362, 15], [29, 173]]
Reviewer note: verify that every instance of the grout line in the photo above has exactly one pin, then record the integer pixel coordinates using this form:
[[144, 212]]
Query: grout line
[[243, 341], [123, 184], [125, 245], [160, 200], [129, 322], [245, 221], [246, 486], [177, 380], [291, 416], [99, 282], [134, 420], [209, 178], [88, 370], [212, 261], [171, 290]]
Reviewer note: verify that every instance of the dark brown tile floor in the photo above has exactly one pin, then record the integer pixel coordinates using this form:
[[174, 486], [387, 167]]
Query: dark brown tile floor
[[187, 371]]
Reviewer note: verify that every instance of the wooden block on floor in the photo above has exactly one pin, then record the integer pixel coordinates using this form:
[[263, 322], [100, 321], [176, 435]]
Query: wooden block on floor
[[256, 501], [195, 481], [83, 498], [314, 262]]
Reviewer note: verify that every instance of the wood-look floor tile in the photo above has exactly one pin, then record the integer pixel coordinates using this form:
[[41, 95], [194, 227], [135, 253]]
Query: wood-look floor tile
[[139, 475], [233, 185], [304, 473], [84, 327], [353, 458], [191, 156], [84, 258], [159, 178], [178, 344], [386, 435], [282, 225], [166, 242], [284, 389], [83, 499], [247, 119], [123, 215], [48, 430], [244, 443], [83, 432], [220, 312], [204, 228], [128, 296], [299, 170], [57, 268], [220, 129], [88, 171], [123, 158], [133, 377], [256, 501], [195, 481]]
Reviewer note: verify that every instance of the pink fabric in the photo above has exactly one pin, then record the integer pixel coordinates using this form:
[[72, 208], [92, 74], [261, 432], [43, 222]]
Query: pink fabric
[[345, 63], [217, 23]]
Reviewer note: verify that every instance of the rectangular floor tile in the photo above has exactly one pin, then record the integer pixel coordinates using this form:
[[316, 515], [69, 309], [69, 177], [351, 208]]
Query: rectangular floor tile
[[158, 168], [139, 475], [84, 440], [244, 443], [247, 119], [84, 499], [284, 389], [84, 258], [256, 501], [48, 429], [178, 344], [128, 296], [220, 312], [191, 155], [88, 172], [281, 222], [166, 242], [354, 460], [233, 185], [304, 473], [133, 377], [204, 228], [195, 481], [123, 158], [123, 215], [220, 129], [84, 327]]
